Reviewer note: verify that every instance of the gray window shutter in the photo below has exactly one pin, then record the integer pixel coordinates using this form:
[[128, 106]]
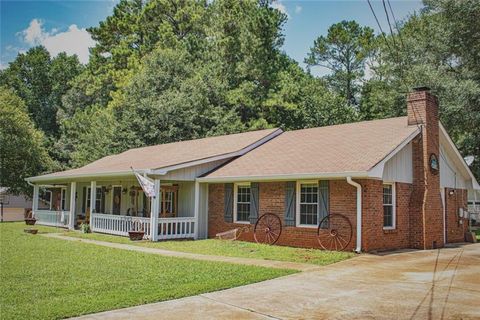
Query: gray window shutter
[[254, 206], [323, 195], [290, 206], [228, 212]]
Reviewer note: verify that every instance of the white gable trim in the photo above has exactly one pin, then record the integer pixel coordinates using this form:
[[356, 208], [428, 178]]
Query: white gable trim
[[377, 170], [467, 172]]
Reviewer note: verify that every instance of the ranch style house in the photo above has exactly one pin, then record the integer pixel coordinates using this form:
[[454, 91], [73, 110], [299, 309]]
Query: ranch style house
[[400, 182]]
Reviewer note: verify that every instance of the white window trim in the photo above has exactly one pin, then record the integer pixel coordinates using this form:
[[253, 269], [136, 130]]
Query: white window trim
[[297, 213], [235, 194], [394, 206], [111, 198]]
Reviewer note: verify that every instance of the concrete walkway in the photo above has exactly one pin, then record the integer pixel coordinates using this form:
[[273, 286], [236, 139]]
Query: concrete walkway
[[195, 256], [433, 284]]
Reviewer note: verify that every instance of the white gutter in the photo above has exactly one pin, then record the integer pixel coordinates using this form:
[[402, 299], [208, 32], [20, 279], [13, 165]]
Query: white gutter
[[286, 177], [47, 178], [358, 248]]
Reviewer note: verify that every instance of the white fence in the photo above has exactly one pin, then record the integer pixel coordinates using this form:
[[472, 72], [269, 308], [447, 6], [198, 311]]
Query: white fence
[[52, 218], [168, 228], [118, 225], [176, 228]]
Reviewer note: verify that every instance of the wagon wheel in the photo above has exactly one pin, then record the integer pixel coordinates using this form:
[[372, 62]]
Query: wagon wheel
[[267, 229], [334, 232]]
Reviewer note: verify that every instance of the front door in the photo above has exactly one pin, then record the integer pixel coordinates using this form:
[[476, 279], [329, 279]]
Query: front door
[[117, 200]]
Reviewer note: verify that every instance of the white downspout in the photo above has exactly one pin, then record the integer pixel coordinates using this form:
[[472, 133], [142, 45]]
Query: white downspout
[[358, 249]]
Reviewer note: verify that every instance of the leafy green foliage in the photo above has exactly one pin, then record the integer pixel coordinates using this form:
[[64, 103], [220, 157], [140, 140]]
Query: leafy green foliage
[[22, 151], [429, 54], [164, 71], [41, 82], [344, 52], [77, 278]]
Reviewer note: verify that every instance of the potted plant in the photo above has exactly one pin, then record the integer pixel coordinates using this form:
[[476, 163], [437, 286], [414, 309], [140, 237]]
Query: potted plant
[[29, 219], [85, 227], [136, 232]]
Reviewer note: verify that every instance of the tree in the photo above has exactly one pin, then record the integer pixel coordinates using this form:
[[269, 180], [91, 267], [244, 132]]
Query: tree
[[430, 55], [344, 52], [172, 98], [41, 82], [22, 153]]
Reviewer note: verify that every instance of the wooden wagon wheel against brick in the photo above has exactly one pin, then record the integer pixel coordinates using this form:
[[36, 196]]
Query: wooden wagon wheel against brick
[[334, 232]]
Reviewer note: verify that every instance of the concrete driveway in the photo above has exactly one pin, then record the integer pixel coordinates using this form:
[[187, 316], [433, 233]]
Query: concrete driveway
[[434, 284]]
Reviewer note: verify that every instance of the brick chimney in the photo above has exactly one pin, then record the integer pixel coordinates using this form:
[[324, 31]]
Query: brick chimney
[[426, 208]]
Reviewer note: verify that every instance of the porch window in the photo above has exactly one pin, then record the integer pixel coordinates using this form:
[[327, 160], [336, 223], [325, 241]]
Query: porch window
[[169, 196], [63, 207], [308, 204], [45, 199], [242, 203], [98, 199], [389, 206]]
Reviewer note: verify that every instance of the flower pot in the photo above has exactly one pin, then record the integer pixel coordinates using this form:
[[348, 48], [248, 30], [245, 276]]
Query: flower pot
[[30, 230], [136, 235], [30, 221]]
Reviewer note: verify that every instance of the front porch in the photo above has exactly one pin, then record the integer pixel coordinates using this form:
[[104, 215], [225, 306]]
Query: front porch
[[119, 206]]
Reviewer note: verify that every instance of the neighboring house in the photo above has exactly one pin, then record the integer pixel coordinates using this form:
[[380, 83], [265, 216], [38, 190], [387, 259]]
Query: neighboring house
[[401, 182], [13, 206]]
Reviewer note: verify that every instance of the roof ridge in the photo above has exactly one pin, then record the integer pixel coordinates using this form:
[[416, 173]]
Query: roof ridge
[[347, 124], [199, 139]]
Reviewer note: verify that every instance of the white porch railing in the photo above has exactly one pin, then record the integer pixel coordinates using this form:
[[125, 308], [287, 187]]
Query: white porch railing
[[118, 225], [53, 218], [168, 228], [176, 228]]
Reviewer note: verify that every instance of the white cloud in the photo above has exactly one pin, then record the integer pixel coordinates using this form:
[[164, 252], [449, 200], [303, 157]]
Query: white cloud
[[298, 9], [280, 7], [34, 34], [73, 41]]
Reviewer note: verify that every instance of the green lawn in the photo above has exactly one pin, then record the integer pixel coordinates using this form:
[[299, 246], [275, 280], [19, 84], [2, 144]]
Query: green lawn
[[232, 249], [44, 278], [477, 233]]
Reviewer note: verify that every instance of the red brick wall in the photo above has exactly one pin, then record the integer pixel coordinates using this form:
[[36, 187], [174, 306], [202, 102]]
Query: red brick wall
[[374, 237], [342, 200], [426, 209], [456, 226]]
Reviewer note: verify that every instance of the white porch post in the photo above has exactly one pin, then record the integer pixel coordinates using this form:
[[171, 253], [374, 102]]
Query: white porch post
[[93, 196], [35, 200], [196, 208], [73, 191], [154, 212]]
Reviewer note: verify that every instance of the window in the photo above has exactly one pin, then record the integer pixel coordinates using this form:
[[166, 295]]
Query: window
[[389, 206], [242, 203], [307, 208], [116, 199], [63, 207], [98, 199], [45, 199], [169, 197]]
